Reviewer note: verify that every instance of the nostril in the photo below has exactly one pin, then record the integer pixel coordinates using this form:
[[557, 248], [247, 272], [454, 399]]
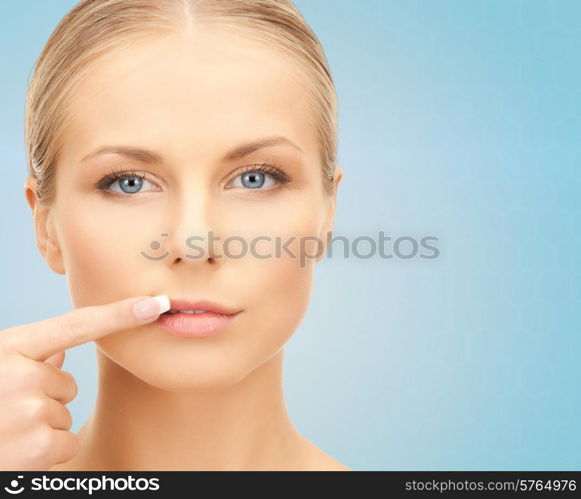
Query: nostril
[[210, 260]]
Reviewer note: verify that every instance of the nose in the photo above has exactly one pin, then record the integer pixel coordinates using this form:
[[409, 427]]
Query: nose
[[192, 226]]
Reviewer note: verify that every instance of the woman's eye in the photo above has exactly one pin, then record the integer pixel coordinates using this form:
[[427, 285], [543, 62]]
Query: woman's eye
[[263, 178], [129, 184], [255, 180]]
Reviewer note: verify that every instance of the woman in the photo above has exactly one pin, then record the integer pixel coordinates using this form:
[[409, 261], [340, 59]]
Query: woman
[[151, 125]]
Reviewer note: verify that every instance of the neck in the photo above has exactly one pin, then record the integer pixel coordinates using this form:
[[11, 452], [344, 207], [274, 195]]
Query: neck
[[136, 426]]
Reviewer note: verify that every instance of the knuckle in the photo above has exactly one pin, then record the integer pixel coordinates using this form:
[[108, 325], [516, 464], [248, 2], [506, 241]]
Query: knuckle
[[71, 384], [70, 446], [36, 409], [43, 444], [23, 374], [27, 368], [68, 417]]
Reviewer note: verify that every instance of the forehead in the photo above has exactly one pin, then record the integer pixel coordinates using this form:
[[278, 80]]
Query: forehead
[[189, 92]]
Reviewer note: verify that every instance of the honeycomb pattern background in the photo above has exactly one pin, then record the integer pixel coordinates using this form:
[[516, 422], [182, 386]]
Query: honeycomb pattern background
[[458, 119]]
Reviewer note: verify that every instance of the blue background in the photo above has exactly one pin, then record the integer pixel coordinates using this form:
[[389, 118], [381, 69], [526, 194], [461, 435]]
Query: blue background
[[458, 119]]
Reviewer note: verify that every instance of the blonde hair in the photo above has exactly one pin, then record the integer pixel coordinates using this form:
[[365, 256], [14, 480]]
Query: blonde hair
[[95, 27]]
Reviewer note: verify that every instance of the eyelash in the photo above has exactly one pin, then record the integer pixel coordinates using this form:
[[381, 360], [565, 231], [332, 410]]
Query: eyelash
[[272, 169], [108, 180]]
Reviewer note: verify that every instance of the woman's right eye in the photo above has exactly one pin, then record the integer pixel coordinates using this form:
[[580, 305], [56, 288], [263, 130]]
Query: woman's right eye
[[124, 183]]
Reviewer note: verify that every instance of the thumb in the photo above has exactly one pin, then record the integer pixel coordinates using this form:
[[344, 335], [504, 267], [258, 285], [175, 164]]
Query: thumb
[[57, 359]]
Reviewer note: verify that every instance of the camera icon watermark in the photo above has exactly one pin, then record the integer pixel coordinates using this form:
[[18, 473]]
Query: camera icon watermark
[[155, 246], [13, 488]]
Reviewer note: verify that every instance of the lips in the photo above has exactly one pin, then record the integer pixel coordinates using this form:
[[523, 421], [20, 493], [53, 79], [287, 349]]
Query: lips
[[186, 319], [179, 305]]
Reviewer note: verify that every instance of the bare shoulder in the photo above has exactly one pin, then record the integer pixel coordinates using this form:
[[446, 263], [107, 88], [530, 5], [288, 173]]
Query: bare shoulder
[[71, 465], [60, 467], [328, 463], [315, 459], [74, 464]]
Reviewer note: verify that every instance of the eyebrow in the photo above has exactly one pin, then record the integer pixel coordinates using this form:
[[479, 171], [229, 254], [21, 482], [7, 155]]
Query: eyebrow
[[151, 157]]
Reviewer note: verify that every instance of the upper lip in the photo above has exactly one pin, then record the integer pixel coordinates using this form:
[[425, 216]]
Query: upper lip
[[207, 305]]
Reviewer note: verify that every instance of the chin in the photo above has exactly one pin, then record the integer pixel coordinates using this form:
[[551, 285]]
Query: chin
[[195, 367], [207, 382]]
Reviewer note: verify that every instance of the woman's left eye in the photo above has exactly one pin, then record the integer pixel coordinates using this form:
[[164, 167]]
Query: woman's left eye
[[254, 180], [262, 177]]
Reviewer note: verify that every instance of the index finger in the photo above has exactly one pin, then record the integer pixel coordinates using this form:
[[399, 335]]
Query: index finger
[[42, 339]]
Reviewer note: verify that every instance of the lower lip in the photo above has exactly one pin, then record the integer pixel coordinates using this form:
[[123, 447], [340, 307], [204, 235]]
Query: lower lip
[[194, 325]]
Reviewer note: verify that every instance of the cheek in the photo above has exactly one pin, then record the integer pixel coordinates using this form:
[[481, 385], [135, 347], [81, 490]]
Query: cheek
[[275, 288], [289, 224], [101, 252], [276, 291]]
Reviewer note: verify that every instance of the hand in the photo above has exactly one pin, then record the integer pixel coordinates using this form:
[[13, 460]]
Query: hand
[[34, 421]]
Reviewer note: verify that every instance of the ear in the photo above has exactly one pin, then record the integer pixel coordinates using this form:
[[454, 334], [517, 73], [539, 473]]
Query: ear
[[327, 227], [46, 235]]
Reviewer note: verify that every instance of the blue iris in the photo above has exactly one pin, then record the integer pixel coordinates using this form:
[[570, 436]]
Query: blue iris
[[132, 184], [253, 180]]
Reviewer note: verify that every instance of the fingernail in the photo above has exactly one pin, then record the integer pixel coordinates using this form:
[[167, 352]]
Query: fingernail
[[148, 308]]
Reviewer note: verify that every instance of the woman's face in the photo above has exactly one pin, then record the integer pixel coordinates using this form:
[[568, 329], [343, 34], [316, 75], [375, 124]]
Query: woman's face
[[191, 100]]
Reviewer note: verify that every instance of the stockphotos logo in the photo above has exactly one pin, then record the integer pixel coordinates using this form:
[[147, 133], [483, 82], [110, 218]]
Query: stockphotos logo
[[13, 488], [88, 485], [303, 248]]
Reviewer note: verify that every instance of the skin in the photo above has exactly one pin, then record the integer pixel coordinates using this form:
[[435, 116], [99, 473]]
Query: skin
[[164, 402]]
